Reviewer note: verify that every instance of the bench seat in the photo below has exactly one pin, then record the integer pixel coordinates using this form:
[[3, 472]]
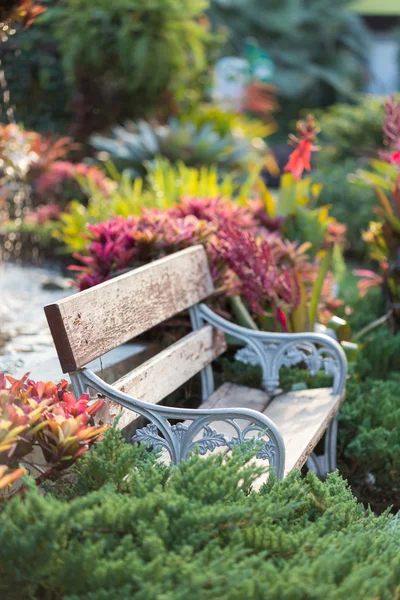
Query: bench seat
[[301, 417]]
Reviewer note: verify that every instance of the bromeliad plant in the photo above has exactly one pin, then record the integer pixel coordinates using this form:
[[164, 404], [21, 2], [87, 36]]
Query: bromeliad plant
[[383, 235], [45, 416], [37, 183], [264, 281], [165, 186]]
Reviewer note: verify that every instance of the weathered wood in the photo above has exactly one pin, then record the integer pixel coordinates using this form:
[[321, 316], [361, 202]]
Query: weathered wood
[[171, 368], [301, 417], [89, 324], [230, 395], [164, 373]]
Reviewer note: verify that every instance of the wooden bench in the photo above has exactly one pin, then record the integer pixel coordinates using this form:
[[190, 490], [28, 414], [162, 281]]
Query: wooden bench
[[89, 324]]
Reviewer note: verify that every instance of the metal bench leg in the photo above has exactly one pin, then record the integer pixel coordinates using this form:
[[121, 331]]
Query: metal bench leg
[[325, 463]]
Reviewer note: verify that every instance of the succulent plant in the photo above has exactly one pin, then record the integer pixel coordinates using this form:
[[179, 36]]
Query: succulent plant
[[195, 144]]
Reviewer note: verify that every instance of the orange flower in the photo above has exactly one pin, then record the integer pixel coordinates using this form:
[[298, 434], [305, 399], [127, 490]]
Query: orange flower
[[300, 159]]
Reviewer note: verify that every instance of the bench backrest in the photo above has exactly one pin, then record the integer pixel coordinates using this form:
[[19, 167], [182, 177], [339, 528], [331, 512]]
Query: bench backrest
[[89, 324]]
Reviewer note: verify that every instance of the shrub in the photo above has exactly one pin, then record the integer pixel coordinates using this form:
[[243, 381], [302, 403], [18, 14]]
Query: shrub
[[129, 58], [351, 130], [349, 203], [194, 532], [380, 356], [369, 440]]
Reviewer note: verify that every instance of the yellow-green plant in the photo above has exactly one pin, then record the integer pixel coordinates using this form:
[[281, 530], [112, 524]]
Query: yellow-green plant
[[225, 122], [165, 185], [383, 236]]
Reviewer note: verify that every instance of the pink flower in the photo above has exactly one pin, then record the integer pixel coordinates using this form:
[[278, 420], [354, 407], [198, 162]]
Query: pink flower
[[370, 280], [395, 158]]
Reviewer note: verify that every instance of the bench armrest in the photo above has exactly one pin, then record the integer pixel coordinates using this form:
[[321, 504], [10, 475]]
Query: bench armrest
[[274, 350], [181, 438]]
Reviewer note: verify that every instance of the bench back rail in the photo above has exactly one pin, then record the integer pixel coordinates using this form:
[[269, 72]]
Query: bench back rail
[[89, 324]]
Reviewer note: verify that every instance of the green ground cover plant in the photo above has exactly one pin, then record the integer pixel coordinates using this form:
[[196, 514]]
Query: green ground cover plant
[[131, 528]]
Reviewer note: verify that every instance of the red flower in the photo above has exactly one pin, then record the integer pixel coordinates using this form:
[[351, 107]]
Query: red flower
[[300, 159]]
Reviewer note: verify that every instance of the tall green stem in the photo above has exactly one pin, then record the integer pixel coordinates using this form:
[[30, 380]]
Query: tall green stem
[[317, 288], [241, 313]]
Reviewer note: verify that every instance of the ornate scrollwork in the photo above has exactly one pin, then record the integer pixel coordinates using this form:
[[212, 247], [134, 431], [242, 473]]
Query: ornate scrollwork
[[193, 431], [291, 354], [273, 350], [266, 449], [149, 435], [210, 440]]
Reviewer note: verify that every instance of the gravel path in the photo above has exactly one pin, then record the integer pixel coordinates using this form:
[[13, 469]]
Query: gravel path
[[24, 336]]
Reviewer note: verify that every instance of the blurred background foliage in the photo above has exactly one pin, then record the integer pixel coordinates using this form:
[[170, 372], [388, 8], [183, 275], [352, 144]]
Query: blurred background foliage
[[128, 59], [320, 49]]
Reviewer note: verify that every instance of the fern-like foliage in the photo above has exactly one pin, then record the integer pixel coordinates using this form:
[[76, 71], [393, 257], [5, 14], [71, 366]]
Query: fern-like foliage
[[196, 532]]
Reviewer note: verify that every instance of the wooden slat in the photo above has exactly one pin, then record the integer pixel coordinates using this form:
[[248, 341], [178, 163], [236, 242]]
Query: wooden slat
[[89, 324], [164, 373], [230, 395], [302, 418], [171, 368]]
